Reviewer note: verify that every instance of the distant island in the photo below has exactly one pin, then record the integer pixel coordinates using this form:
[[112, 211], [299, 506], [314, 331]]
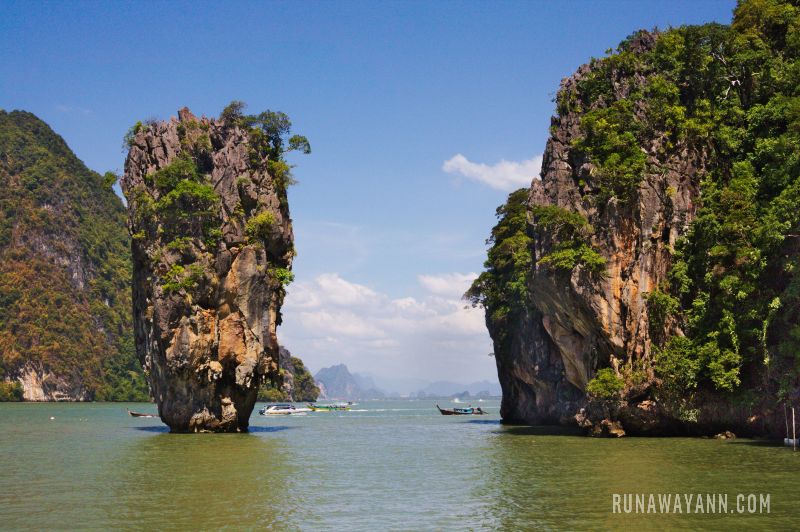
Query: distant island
[[336, 382], [481, 389]]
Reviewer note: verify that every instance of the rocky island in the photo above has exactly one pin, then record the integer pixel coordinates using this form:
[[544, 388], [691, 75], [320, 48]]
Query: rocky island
[[647, 282], [212, 249]]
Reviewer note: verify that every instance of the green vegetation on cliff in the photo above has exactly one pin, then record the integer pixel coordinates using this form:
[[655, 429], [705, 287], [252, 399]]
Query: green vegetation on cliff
[[727, 317], [65, 304], [571, 233], [734, 276], [178, 207], [301, 385], [269, 137], [9, 390], [502, 289], [731, 93]]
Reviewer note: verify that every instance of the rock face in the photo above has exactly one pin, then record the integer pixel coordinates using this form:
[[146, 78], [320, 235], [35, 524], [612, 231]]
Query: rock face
[[626, 165], [298, 384], [39, 385], [604, 315], [577, 321], [212, 243]]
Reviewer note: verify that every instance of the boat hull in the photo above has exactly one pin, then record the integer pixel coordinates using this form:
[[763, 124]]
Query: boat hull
[[461, 411], [139, 414], [283, 411]]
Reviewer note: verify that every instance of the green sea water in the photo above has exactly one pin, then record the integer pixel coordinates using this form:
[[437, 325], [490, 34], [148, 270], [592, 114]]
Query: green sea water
[[389, 465]]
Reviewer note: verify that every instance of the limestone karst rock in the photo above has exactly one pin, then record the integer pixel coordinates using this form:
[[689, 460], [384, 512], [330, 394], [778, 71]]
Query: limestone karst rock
[[577, 317], [552, 346], [212, 246], [646, 282]]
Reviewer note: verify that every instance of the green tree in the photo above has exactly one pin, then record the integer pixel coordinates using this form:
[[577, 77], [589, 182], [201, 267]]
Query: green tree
[[502, 288]]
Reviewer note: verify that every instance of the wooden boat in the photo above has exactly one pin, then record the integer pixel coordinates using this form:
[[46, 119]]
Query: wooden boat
[[139, 414], [469, 411]]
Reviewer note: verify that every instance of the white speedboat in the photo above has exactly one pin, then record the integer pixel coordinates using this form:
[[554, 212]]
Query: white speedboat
[[283, 409]]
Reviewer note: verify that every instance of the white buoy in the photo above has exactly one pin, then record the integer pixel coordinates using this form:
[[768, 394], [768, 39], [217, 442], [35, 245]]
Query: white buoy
[[52, 418]]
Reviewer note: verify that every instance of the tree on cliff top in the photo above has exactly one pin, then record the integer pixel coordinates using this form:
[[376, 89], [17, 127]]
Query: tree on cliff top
[[270, 138]]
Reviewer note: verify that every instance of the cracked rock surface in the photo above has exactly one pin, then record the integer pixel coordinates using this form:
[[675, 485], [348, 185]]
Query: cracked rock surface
[[205, 291]]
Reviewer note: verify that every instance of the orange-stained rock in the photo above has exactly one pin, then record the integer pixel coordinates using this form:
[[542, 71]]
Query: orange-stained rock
[[206, 306]]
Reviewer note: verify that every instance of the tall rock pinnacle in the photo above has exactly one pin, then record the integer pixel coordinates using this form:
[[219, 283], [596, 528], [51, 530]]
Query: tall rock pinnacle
[[212, 248]]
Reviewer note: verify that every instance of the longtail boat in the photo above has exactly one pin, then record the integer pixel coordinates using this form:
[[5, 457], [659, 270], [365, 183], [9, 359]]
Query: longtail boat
[[469, 411], [139, 414]]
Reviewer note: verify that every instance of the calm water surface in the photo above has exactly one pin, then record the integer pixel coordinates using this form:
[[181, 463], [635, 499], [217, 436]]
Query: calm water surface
[[395, 465]]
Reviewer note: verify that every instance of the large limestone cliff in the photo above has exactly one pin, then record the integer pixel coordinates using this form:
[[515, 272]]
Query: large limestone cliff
[[212, 244], [578, 320], [634, 318]]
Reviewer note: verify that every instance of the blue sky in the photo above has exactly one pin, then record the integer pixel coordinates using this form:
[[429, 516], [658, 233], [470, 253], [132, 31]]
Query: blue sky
[[386, 92]]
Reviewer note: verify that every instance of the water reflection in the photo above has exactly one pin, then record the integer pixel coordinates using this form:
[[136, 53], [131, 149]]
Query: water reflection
[[253, 429], [540, 480], [200, 481]]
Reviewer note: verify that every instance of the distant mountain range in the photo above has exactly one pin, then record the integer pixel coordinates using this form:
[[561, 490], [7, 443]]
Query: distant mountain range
[[337, 382], [450, 389]]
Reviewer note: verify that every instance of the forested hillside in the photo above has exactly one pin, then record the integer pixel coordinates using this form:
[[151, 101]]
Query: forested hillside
[[65, 273]]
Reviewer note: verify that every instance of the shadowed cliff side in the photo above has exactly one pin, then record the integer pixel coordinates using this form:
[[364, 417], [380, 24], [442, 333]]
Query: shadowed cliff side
[[646, 282], [212, 249]]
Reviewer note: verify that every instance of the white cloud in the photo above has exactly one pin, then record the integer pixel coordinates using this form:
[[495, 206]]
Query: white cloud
[[331, 320], [340, 323], [341, 292], [449, 284], [505, 175]]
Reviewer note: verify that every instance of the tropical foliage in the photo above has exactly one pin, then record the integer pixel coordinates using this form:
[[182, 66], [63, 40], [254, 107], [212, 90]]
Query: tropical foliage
[[502, 288], [570, 232], [270, 139], [605, 385], [65, 269], [730, 93]]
